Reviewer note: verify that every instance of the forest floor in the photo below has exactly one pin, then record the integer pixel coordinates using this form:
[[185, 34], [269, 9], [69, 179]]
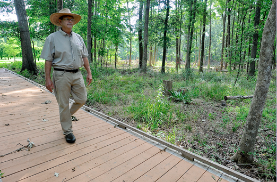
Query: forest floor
[[209, 136], [196, 120]]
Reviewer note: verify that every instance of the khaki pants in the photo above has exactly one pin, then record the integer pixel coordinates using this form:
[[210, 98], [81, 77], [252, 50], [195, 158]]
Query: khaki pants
[[66, 83]]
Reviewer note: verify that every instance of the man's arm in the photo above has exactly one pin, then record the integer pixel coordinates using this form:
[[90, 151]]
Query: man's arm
[[48, 82], [87, 67]]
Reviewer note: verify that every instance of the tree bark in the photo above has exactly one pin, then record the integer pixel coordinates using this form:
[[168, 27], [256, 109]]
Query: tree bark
[[165, 31], [146, 16], [200, 45], [89, 39], [190, 31], [52, 9], [231, 39], [130, 57], [203, 37], [228, 33], [27, 55], [240, 58], [140, 34], [60, 5], [255, 39], [223, 41], [246, 146], [95, 41], [167, 84], [210, 36], [115, 56]]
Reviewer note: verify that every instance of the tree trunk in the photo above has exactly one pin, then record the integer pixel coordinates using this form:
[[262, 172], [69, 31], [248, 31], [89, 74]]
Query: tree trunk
[[27, 55], [210, 36], [95, 41], [155, 55], [165, 31], [140, 34], [34, 51], [177, 54], [52, 9], [190, 33], [231, 39], [115, 56], [60, 5], [130, 57], [167, 84], [228, 34], [223, 42], [240, 59], [89, 39], [150, 55], [146, 18], [200, 45], [255, 39], [248, 140], [203, 37]]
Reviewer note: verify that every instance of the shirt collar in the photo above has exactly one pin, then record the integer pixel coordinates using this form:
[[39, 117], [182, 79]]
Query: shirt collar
[[63, 33]]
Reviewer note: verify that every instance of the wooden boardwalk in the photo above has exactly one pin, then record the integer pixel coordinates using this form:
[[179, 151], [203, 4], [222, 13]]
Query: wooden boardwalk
[[101, 153]]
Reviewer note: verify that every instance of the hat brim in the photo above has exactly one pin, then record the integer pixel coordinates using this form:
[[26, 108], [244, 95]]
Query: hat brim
[[54, 18]]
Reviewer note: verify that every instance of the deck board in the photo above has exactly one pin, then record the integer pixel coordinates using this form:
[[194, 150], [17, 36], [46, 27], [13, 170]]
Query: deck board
[[101, 152]]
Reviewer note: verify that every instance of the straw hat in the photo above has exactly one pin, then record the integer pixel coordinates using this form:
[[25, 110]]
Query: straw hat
[[54, 18]]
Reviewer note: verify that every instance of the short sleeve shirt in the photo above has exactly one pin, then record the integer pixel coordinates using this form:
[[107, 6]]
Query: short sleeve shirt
[[64, 51]]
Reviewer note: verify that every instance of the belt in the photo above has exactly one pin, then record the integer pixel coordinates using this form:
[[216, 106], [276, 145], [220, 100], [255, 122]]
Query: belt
[[72, 71]]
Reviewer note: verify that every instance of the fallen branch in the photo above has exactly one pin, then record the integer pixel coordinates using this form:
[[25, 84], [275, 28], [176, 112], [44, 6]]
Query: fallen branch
[[237, 97], [26, 147]]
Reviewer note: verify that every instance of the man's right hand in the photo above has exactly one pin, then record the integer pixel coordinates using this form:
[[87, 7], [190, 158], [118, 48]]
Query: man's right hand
[[49, 85]]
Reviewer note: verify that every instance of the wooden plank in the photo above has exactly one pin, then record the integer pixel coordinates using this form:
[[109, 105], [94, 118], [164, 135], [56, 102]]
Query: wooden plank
[[161, 169], [175, 172], [193, 174], [139, 163], [72, 168], [139, 170], [103, 166], [54, 141], [209, 177], [48, 160]]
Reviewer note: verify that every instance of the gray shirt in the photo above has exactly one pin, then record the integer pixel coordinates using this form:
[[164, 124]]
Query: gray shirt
[[64, 51]]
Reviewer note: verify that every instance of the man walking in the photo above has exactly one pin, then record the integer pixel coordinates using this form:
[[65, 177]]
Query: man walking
[[66, 52]]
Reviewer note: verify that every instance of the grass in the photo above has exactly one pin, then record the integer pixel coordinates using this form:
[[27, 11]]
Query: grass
[[194, 119]]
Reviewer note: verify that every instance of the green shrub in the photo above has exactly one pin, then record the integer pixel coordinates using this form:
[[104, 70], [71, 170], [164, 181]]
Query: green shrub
[[151, 111]]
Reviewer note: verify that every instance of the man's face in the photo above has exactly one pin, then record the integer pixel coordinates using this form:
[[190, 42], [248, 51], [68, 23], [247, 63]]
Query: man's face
[[67, 22]]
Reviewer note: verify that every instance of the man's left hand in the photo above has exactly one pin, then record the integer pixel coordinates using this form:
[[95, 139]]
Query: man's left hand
[[89, 79]]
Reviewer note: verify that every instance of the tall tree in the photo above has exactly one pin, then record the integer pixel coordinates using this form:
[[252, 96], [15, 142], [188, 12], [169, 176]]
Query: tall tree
[[165, 31], [210, 36], [203, 37], [130, 37], [140, 34], [89, 38], [246, 146], [255, 39], [223, 41], [27, 55], [228, 31], [94, 28], [146, 22]]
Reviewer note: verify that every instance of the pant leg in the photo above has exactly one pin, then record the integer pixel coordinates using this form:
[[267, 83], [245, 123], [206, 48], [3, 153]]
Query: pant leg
[[78, 91], [62, 88]]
